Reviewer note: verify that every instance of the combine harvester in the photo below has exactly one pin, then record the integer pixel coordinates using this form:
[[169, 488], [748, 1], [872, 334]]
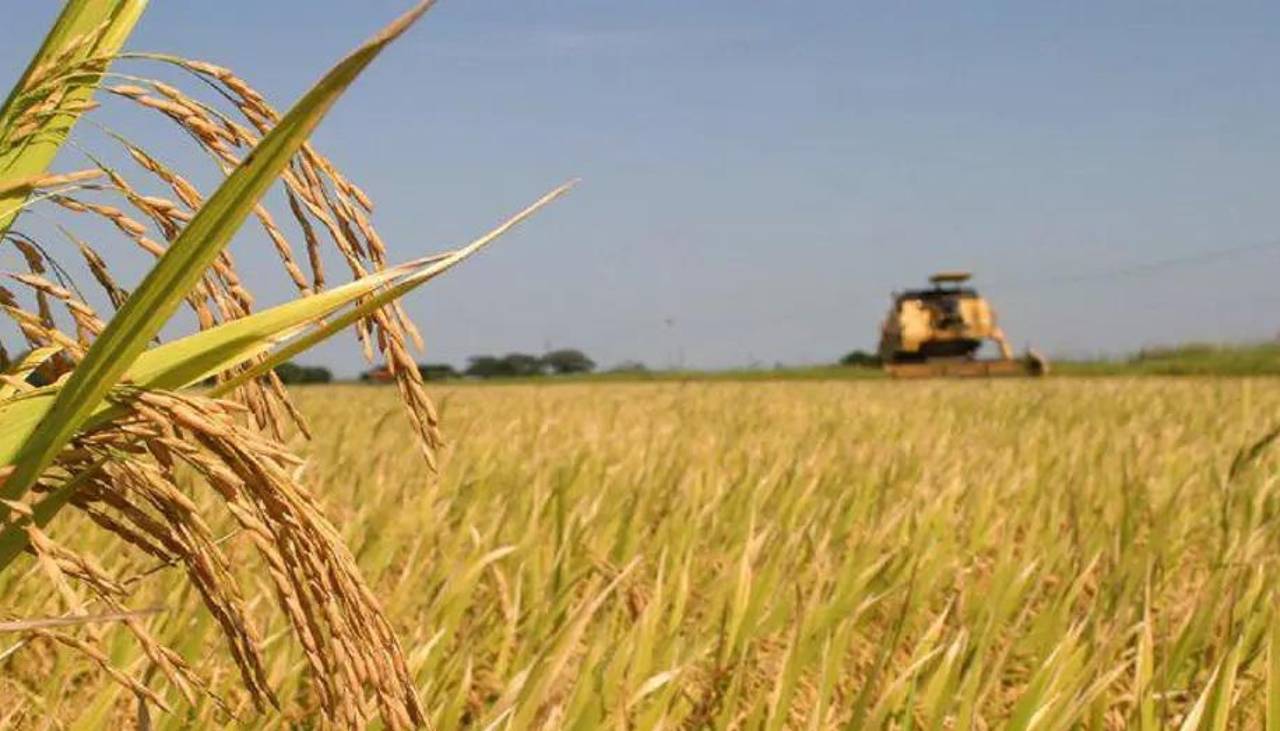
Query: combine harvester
[[938, 331]]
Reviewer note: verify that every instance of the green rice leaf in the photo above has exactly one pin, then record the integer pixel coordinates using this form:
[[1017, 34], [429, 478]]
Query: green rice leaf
[[182, 265], [408, 284], [85, 29], [1191, 721], [192, 359]]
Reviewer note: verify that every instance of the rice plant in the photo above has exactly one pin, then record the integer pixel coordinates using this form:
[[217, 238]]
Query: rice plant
[[1056, 555], [179, 548], [1093, 553], [96, 415]]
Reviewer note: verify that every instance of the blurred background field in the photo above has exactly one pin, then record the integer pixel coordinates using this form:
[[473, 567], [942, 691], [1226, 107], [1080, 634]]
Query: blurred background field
[[1060, 553], [1189, 359]]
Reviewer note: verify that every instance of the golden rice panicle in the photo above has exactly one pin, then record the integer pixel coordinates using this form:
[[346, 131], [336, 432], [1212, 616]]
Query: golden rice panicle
[[317, 193], [348, 643], [61, 565], [155, 477], [356, 666]]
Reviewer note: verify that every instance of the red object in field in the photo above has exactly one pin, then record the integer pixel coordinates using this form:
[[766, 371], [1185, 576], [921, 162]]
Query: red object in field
[[381, 374]]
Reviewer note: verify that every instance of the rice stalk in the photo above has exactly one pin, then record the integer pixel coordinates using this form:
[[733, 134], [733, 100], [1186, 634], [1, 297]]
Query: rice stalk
[[115, 442]]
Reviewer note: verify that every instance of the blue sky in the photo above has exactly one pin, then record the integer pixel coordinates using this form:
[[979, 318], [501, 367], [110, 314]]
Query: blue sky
[[763, 174]]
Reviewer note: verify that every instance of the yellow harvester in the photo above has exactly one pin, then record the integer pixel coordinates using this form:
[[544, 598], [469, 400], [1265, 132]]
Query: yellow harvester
[[938, 331]]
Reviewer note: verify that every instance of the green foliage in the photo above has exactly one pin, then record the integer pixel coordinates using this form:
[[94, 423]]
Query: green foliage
[[291, 373], [149, 307], [83, 40], [511, 365], [485, 366], [1195, 359], [860, 359], [563, 362], [568, 361], [522, 364], [437, 371], [90, 435]]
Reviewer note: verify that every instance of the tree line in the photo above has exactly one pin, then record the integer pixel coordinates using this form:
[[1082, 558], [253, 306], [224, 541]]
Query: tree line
[[565, 361]]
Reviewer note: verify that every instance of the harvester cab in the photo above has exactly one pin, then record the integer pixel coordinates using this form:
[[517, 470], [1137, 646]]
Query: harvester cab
[[938, 331]]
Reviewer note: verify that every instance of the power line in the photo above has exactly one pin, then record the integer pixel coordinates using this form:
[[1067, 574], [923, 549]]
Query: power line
[[1140, 269]]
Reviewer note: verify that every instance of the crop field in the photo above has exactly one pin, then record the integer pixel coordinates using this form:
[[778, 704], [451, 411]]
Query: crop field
[[1056, 554]]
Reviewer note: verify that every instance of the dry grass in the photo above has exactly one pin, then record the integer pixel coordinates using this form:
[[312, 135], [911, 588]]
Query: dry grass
[[803, 555]]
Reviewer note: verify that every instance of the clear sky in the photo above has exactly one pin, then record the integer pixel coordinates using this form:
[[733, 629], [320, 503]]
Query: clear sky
[[757, 176]]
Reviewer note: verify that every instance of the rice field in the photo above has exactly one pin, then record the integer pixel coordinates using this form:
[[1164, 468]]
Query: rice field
[[805, 555]]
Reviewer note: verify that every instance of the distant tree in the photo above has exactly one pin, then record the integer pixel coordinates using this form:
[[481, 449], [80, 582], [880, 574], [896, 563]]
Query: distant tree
[[289, 372], [436, 371], [861, 359], [485, 366], [568, 360], [523, 364], [292, 373], [509, 365], [630, 366]]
